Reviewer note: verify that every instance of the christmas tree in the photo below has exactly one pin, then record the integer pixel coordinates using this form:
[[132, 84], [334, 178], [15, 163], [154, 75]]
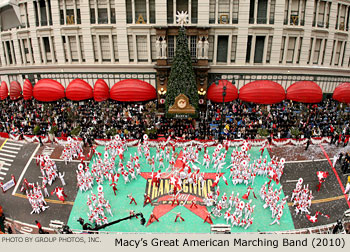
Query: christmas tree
[[182, 78]]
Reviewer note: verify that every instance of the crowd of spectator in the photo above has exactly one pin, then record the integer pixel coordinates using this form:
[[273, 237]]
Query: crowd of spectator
[[232, 120]]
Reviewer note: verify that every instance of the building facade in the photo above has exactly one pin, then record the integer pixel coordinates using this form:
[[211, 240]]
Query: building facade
[[241, 40]]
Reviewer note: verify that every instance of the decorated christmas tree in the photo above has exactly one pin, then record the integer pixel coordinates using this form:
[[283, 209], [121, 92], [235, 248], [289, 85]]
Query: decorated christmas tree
[[182, 78]]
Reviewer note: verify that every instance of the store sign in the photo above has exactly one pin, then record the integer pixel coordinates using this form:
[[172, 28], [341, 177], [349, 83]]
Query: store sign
[[181, 116]]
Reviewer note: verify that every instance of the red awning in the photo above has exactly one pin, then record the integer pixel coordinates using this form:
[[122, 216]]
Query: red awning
[[304, 91], [15, 90], [47, 90], [215, 92], [4, 92], [101, 90], [27, 90], [342, 93], [132, 90], [262, 92], [79, 90]]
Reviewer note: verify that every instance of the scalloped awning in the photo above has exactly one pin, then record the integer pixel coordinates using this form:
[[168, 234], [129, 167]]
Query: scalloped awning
[[304, 91], [47, 90], [215, 92], [27, 90], [262, 92], [101, 90], [79, 90], [132, 90], [15, 90], [342, 93], [4, 92]]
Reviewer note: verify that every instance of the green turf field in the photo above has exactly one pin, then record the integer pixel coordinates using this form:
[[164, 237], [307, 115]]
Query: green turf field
[[193, 223]]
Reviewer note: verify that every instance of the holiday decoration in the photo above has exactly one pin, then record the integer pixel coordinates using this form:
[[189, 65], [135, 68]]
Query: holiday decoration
[[182, 78]]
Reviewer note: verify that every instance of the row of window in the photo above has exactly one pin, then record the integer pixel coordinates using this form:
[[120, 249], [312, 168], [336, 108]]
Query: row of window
[[142, 48], [220, 12]]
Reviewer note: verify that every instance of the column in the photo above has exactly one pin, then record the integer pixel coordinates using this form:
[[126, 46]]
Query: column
[[285, 51], [161, 13], [43, 53], [86, 31], [69, 53], [216, 11], [252, 49], [98, 41], [64, 12], [189, 11], [312, 51], [47, 12], [229, 48], [135, 47], [80, 57], [296, 49], [289, 12], [215, 49], [108, 12], [299, 12], [266, 42], [111, 46], [268, 12], [317, 10], [147, 11], [38, 13], [96, 13], [256, 11], [75, 12], [174, 11], [23, 52], [133, 11], [149, 47], [52, 50], [122, 31], [230, 15]]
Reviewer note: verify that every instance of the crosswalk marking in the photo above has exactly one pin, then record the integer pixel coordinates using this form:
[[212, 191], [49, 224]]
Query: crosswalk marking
[[9, 151], [8, 147], [48, 151], [7, 155], [6, 159], [13, 143], [11, 148]]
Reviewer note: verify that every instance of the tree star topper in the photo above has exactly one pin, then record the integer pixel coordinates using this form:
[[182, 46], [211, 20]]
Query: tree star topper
[[182, 18]]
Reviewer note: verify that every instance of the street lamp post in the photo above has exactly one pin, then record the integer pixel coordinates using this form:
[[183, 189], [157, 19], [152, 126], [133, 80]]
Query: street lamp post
[[224, 88]]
